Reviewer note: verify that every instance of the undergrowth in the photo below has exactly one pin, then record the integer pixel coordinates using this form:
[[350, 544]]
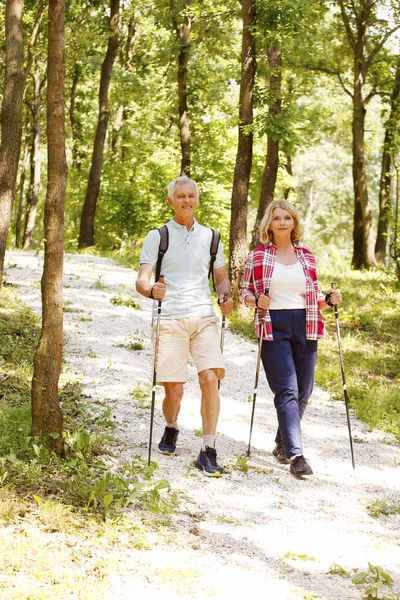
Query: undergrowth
[[369, 325], [81, 497]]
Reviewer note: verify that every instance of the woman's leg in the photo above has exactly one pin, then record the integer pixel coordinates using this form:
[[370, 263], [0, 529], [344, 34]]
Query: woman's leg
[[280, 369], [305, 358]]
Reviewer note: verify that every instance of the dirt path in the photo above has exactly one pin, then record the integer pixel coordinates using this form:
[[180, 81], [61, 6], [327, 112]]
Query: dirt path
[[261, 533]]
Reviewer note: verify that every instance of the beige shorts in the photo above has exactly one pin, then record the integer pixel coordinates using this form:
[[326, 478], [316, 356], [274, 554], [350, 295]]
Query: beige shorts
[[198, 336]]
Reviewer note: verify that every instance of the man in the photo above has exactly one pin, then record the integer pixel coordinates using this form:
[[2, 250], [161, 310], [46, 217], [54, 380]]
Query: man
[[188, 322]]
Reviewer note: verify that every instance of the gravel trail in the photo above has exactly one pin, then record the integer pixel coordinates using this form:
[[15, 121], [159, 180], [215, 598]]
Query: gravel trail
[[262, 533]]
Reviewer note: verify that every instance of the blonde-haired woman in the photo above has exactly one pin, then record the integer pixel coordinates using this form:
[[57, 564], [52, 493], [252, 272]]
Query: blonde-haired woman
[[293, 323]]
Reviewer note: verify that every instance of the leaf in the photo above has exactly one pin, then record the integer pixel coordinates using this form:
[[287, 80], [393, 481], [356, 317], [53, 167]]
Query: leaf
[[359, 578], [38, 500]]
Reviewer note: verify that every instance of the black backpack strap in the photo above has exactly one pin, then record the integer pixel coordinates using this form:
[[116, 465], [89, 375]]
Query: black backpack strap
[[164, 241], [216, 236]]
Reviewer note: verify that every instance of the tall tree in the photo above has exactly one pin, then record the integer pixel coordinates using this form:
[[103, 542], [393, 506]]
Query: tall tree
[[86, 235], [11, 118], [244, 155], [183, 39], [274, 56], [35, 163], [46, 413], [357, 19], [391, 127]]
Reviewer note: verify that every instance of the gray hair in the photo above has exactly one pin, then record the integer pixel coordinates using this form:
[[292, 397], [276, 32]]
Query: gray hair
[[177, 181]]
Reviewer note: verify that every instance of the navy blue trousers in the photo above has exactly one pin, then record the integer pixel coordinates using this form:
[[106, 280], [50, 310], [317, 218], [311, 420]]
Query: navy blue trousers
[[289, 364]]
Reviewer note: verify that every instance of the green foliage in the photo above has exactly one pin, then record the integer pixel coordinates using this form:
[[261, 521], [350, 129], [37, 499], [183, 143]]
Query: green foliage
[[380, 508], [133, 345], [370, 340], [336, 569], [125, 300], [378, 581], [294, 556], [81, 481], [142, 394]]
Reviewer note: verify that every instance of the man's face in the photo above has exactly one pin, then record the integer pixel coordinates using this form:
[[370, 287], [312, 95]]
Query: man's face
[[185, 201]]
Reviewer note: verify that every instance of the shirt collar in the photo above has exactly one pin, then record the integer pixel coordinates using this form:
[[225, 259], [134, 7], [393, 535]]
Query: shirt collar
[[180, 227]]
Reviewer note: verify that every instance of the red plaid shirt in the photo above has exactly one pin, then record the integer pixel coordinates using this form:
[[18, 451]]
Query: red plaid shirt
[[257, 276]]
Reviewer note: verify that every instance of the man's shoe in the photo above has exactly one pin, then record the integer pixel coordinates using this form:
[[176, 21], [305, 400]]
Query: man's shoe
[[168, 441], [300, 467], [207, 462], [279, 453]]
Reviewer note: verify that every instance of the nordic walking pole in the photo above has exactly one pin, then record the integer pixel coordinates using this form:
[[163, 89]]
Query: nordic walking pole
[[346, 397], [221, 345], [266, 291], [153, 391]]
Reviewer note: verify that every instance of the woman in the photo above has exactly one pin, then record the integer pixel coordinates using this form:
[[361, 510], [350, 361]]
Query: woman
[[293, 323]]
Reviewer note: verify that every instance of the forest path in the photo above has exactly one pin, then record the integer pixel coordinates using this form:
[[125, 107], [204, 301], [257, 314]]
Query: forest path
[[261, 533]]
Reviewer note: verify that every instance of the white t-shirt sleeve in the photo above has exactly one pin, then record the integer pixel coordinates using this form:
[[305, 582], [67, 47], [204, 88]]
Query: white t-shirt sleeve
[[219, 259], [151, 244]]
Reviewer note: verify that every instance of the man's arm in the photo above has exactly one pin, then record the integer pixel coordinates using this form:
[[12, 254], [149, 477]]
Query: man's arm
[[143, 286], [223, 285]]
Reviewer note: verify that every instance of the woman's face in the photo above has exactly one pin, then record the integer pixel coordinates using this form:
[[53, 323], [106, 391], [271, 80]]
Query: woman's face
[[282, 223]]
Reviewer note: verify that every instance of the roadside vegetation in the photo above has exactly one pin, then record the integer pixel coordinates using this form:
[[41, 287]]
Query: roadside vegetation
[[61, 517], [369, 320]]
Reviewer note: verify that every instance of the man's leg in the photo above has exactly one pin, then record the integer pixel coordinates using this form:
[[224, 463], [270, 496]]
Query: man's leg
[[171, 373], [210, 403], [206, 354], [172, 401]]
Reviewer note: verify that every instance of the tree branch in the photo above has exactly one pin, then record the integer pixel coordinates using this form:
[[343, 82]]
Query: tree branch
[[346, 22], [379, 45], [344, 87], [331, 72]]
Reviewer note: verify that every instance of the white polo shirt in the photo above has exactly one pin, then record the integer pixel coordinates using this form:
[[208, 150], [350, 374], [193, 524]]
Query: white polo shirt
[[185, 268]]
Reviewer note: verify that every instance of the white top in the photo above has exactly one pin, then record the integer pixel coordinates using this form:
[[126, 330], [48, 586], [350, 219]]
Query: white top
[[288, 287], [185, 268]]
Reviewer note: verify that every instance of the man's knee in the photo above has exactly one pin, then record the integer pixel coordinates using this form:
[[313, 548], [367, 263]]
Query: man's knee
[[208, 379], [173, 392]]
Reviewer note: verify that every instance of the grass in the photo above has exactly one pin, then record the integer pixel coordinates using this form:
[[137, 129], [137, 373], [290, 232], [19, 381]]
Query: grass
[[52, 509], [125, 300], [369, 325]]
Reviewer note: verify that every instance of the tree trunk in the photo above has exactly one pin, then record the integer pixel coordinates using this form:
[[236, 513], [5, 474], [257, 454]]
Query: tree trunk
[[46, 413], [363, 249], [384, 201], [116, 126], [359, 171], [272, 161], [288, 167], [75, 125], [19, 220], [86, 235], [11, 118], [386, 179], [183, 39], [35, 164], [244, 156]]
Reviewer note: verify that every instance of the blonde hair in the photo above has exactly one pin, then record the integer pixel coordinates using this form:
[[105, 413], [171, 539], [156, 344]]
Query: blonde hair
[[266, 234]]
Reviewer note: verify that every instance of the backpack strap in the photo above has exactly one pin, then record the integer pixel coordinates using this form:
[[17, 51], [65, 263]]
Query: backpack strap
[[216, 236], [164, 241]]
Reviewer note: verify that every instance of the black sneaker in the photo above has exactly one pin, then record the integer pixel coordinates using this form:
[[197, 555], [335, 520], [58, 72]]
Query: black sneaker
[[279, 453], [168, 441], [207, 462], [300, 467]]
